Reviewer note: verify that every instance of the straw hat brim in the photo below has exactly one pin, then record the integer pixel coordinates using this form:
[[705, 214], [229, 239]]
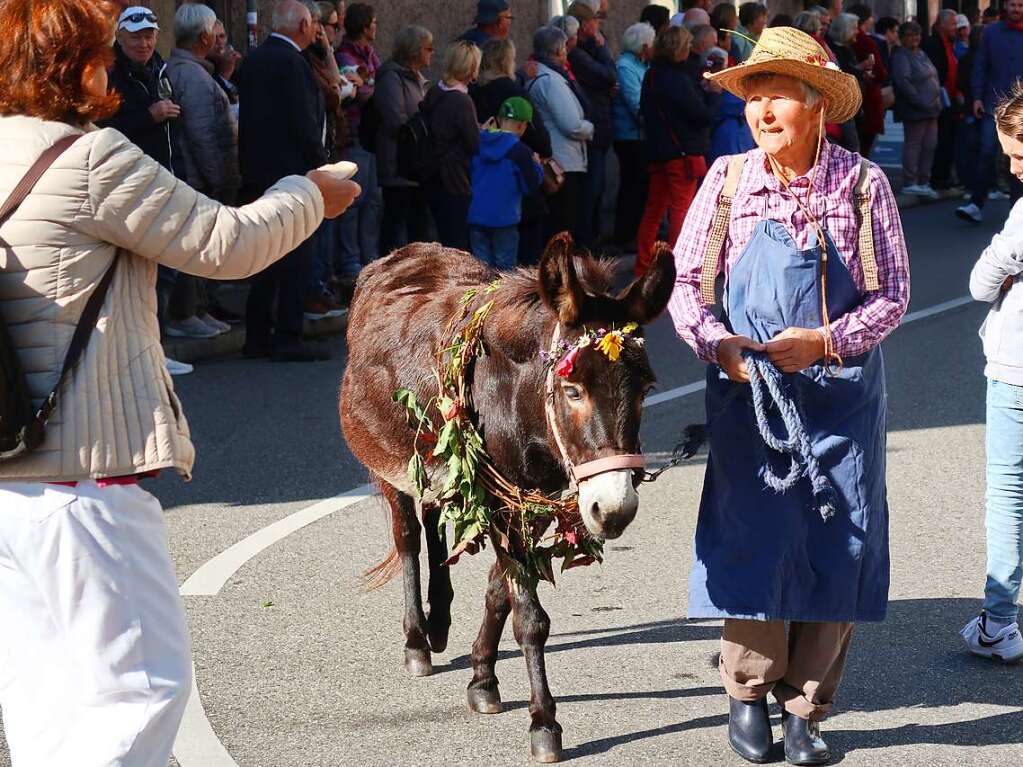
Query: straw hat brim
[[840, 90]]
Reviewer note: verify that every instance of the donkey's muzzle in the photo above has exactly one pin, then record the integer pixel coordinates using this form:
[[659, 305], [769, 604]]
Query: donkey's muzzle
[[608, 503]]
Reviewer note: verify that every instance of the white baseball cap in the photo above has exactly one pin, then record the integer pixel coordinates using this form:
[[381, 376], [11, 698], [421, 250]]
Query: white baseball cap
[[137, 17]]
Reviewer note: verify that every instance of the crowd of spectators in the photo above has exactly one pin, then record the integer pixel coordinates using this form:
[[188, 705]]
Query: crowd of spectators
[[502, 150]]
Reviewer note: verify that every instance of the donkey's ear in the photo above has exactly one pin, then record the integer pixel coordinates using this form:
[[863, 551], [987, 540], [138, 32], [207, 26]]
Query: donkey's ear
[[647, 297], [559, 285]]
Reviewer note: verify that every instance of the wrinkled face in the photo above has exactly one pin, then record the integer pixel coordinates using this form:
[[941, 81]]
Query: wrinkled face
[[948, 26], [504, 24], [138, 46], [598, 407], [778, 115], [219, 39], [1013, 149]]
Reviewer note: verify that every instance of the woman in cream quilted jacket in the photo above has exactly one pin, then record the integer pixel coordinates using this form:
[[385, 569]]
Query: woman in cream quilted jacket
[[95, 665]]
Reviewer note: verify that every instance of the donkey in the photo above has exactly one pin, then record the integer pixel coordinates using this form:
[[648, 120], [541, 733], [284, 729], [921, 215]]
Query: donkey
[[397, 321]]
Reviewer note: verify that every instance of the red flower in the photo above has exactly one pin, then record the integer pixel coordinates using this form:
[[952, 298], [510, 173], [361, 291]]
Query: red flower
[[567, 364], [572, 537]]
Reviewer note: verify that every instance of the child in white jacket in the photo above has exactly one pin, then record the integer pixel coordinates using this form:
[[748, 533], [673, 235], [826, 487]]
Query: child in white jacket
[[995, 279]]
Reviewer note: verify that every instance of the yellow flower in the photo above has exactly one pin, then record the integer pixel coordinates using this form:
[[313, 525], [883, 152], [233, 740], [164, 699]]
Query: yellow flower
[[630, 328], [611, 345]]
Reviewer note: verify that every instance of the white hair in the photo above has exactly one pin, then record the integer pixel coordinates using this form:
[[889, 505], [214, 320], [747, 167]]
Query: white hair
[[567, 24], [636, 36], [810, 94], [192, 20], [843, 27], [695, 17], [593, 4], [288, 15], [549, 41]]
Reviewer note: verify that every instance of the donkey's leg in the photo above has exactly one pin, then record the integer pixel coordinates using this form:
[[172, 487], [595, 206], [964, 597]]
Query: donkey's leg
[[532, 626], [483, 695], [407, 539], [439, 593]]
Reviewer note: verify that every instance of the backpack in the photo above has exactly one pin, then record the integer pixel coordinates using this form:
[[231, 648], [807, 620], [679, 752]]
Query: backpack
[[416, 156], [21, 427]]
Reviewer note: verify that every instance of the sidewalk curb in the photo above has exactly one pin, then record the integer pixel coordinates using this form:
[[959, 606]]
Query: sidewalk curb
[[230, 344]]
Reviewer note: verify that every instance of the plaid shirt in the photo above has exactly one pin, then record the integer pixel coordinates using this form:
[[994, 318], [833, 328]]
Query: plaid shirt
[[760, 196]]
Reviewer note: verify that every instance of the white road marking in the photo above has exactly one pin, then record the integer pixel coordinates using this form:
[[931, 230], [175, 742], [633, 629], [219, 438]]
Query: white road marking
[[197, 744]]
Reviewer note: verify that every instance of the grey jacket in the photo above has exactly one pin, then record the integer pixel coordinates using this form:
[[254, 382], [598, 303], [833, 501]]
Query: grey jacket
[[917, 90], [208, 133], [1002, 331], [563, 115], [397, 96]]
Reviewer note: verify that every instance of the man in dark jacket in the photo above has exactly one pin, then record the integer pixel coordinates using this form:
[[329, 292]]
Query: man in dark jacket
[[280, 133], [493, 22], [594, 69], [939, 49]]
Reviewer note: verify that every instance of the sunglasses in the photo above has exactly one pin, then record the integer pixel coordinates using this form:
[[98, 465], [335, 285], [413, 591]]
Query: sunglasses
[[136, 18]]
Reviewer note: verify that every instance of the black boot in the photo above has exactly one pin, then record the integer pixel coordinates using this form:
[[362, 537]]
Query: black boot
[[749, 730], [803, 744]]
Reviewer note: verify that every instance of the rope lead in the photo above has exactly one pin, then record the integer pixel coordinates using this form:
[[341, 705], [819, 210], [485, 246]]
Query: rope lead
[[796, 445]]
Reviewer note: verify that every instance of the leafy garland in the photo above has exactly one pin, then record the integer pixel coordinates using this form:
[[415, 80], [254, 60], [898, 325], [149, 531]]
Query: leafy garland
[[519, 526]]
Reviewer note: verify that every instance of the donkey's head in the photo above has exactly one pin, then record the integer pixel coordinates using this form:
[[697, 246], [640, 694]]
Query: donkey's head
[[597, 400]]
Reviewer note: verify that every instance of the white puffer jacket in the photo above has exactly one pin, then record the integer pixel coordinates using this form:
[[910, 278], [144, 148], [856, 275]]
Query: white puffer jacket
[[118, 414]]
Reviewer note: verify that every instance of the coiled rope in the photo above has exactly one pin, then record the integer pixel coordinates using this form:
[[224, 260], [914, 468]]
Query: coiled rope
[[766, 380]]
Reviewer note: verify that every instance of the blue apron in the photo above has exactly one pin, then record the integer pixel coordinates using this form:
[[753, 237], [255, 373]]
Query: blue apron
[[763, 555]]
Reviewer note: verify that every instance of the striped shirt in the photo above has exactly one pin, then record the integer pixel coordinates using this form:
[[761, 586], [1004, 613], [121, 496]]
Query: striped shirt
[[761, 196]]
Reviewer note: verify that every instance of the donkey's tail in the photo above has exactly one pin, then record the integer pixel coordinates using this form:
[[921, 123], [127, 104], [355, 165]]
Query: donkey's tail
[[382, 572]]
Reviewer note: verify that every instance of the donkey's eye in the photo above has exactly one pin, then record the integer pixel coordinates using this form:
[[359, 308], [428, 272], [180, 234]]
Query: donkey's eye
[[574, 393]]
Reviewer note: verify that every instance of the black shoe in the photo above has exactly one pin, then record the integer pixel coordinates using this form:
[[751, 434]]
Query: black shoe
[[803, 744], [749, 730], [299, 352], [225, 315]]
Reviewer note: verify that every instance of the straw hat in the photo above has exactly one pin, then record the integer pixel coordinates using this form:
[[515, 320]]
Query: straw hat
[[787, 51]]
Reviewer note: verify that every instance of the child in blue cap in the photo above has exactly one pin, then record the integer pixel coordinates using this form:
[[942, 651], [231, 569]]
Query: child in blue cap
[[503, 170]]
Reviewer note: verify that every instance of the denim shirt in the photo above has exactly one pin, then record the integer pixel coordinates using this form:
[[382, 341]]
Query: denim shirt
[[998, 64]]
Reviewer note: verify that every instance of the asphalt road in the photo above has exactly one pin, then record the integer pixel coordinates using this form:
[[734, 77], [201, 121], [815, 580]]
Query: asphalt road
[[297, 666]]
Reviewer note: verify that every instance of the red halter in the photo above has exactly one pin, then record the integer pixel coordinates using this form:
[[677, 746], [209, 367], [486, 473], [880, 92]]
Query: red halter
[[589, 469]]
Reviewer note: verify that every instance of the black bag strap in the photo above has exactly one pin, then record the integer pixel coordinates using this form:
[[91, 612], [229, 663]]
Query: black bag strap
[[87, 322]]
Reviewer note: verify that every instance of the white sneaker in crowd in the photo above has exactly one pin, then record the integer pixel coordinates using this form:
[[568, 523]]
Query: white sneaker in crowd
[[997, 194], [176, 368], [912, 189], [926, 190], [211, 321], [971, 213], [1005, 645], [192, 327]]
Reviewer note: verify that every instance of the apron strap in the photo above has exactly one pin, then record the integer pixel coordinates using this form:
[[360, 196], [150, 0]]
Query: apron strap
[[718, 230], [868, 259]]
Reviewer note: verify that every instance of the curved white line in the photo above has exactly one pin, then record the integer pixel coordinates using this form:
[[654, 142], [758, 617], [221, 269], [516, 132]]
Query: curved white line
[[197, 744]]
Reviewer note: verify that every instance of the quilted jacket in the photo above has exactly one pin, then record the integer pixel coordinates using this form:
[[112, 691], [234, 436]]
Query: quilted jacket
[[117, 414]]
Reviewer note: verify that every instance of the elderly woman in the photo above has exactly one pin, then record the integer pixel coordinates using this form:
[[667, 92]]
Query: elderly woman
[[840, 36], [400, 87], [638, 46], [917, 105], [96, 666], [764, 557], [558, 100]]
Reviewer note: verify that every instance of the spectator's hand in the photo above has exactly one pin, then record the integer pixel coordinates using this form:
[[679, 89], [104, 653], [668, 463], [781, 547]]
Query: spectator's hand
[[599, 37], [354, 79], [337, 190], [795, 349], [529, 69], [730, 356], [164, 110], [978, 109]]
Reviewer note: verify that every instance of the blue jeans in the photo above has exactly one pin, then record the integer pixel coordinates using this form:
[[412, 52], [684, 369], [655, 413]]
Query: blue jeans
[[1004, 499], [987, 157], [495, 246], [359, 226], [321, 266]]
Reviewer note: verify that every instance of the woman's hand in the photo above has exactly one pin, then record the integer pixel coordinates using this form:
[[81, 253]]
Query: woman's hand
[[338, 192], [730, 356], [795, 349]]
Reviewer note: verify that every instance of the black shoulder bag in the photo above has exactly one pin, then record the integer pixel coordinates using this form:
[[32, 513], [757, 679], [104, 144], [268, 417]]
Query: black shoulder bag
[[21, 428]]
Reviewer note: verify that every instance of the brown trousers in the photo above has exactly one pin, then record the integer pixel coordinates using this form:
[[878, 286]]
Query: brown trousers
[[803, 669]]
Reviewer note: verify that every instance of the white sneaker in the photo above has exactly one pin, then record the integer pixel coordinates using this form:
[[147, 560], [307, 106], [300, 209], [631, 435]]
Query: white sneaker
[[192, 327], [912, 189], [1006, 645], [176, 368], [971, 213], [213, 322], [997, 194], [927, 191]]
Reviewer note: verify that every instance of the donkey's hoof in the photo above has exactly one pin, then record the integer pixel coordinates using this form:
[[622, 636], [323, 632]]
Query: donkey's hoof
[[545, 746], [485, 701], [417, 662]]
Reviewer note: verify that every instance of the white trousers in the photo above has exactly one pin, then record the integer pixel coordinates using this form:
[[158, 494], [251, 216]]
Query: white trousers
[[95, 663]]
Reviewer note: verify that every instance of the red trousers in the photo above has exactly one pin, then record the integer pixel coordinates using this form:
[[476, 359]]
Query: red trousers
[[672, 189]]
